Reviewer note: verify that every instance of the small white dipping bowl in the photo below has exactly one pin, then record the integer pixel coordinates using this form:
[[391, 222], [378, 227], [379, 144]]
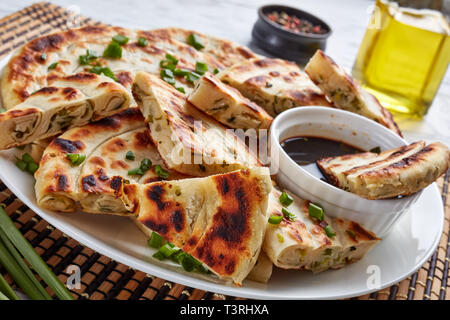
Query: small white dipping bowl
[[376, 215]]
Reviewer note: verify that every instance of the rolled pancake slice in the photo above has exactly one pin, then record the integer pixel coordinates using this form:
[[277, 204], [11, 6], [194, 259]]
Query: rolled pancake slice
[[337, 169], [227, 105], [274, 84], [397, 172], [345, 92], [105, 171], [304, 244], [189, 141], [220, 220], [69, 102], [98, 181], [355, 240]]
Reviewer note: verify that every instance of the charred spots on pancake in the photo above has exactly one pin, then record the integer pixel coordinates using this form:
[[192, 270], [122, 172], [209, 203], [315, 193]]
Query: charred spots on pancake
[[264, 63], [230, 267], [155, 194], [116, 184], [88, 182], [46, 91], [152, 179], [259, 81], [142, 140], [93, 29], [62, 184], [70, 93], [124, 78], [161, 228], [116, 145], [224, 187], [245, 53], [68, 146], [361, 232], [274, 74], [21, 113], [119, 164], [178, 220], [81, 77], [47, 43], [98, 161]]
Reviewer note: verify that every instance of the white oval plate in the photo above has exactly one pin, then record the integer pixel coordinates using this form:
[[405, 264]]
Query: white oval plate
[[407, 247], [403, 251]]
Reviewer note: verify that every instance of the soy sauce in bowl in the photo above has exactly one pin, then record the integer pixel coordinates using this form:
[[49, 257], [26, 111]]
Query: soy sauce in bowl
[[307, 150]]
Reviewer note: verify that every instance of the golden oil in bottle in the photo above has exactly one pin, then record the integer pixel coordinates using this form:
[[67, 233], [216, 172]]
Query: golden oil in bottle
[[403, 57]]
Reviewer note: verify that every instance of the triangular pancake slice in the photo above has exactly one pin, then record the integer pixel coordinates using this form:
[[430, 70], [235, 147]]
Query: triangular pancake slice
[[188, 140], [69, 102], [301, 242], [345, 92], [220, 220], [274, 84], [97, 182], [397, 172], [227, 105]]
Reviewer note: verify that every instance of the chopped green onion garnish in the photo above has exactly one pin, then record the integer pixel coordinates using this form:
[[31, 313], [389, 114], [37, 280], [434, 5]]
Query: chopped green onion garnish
[[195, 41], [171, 59], [181, 89], [189, 263], [164, 64], [22, 165], [329, 231], [113, 50], [155, 240], [158, 255], [107, 72], [120, 39], [201, 67], [32, 167], [375, 150], [160, 172], [216, 71], [136, 171], [168, 249], [146, 164], [142, 42], [52, 66], [192, 77], [288, 215], [275, 219], [44, 56], [166, 73], [27, 158], [88, 57], [130, 155], [76, 158], [315, 211], [180, 72], [286, 199]]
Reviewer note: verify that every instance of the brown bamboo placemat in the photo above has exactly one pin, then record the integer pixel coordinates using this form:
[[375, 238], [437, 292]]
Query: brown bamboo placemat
[[104, 278]]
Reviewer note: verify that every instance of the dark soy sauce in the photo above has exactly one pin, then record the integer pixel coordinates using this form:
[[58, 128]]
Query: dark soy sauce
[[307, 150]]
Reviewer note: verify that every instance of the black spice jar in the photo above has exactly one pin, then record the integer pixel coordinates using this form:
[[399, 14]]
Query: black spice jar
[[272, 38]]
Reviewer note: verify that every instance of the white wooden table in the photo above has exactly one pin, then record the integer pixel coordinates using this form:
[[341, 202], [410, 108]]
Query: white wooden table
[[233, 19]]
